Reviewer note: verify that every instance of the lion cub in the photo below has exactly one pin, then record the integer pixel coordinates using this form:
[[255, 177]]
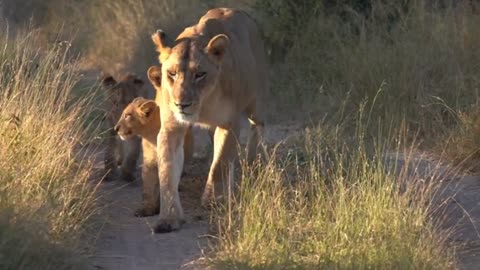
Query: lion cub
[[124, 153], [142, 118]]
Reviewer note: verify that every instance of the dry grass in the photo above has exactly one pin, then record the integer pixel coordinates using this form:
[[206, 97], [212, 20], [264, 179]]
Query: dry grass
[[333, 204], [45, 198], [413, 63], [462, 145]]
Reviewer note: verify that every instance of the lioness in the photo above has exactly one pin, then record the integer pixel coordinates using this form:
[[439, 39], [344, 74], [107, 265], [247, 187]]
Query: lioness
[[211, 76], [119, 95], [142, 118]]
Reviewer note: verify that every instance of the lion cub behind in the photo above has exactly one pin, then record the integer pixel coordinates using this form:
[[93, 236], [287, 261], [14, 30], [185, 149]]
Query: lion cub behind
[[142, 118], [118, 95]]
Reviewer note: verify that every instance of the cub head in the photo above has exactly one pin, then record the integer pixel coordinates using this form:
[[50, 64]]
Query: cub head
[[136, 117], [121, 93], [190, 70]]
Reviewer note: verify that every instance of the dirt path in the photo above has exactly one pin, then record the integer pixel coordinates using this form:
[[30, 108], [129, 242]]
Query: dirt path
[[127, 242], [456, 205], [462, 214]]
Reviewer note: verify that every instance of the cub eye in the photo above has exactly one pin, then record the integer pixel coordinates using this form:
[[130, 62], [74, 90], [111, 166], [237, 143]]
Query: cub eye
[[127, 117], [200, 75], [171, 74]]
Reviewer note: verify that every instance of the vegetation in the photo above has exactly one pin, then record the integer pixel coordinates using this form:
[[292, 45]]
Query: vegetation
[[328, 204], [45, 198], [328, 200]]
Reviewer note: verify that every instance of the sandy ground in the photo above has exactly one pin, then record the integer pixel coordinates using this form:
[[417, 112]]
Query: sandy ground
[[127, 242]]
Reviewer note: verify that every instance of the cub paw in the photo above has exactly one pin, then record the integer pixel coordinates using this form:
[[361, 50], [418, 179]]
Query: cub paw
[[127, 177], [146, 212], [110, 176], [166, 226]]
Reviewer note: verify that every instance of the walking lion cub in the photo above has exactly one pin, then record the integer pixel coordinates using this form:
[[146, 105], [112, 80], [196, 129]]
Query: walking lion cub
[[142, 118]]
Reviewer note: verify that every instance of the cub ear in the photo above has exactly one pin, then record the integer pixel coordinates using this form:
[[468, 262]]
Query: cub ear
[[138, 81], [158, 39], [131, 77], [147, 108], [108, 80], [155, 76], [217, 46]]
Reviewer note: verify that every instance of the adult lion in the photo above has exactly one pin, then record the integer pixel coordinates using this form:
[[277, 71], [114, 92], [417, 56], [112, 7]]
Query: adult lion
[[211, 76]]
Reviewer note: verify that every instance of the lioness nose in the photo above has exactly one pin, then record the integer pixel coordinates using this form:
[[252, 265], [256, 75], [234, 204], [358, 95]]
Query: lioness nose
[[183, 105], [116, 128]]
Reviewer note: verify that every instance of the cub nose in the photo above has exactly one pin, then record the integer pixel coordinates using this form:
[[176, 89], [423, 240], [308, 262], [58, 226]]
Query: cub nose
[[116, 128], [183, 106]]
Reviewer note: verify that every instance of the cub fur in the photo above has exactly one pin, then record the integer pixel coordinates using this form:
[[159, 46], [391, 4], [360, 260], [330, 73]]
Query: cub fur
[[211, 76], [124, 153], [142, 118]]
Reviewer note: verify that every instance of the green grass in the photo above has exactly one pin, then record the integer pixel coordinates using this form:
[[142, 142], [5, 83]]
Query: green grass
[[45, 199]]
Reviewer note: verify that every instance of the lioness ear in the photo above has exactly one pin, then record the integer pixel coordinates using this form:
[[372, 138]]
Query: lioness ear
[[147, 108], [158, 39], [108, 80], [155, 75], [217, 46]]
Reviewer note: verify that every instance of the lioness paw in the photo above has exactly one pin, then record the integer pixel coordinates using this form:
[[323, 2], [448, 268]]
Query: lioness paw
[[166, 226]]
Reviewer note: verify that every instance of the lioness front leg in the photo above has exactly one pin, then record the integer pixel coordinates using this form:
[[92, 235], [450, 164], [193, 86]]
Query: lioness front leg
[[170, 165], [224, 152], [129, 160]]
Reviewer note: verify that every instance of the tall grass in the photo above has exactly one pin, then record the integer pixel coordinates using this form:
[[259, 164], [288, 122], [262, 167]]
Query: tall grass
[[422, 57], [333, 203], [44, 196]]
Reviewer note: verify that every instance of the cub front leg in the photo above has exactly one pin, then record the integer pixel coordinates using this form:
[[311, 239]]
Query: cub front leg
[[109, 156], [151, 201], [170, 165], [224, 153]]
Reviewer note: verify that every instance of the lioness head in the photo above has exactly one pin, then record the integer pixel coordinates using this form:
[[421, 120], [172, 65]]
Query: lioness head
[[121, 93], [135, 117], [190, 71]]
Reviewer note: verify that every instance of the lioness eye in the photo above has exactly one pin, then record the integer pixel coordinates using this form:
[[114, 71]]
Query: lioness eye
[[172, 74], [127, 116], [200, 75]]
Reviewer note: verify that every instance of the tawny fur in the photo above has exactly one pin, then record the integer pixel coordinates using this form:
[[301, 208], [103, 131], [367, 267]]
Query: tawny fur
[[124, 153], [142, 118], [213, 74]]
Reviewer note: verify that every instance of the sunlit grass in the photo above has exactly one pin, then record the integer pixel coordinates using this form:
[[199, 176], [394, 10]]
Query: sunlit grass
[[45, 198], [332, 204]]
